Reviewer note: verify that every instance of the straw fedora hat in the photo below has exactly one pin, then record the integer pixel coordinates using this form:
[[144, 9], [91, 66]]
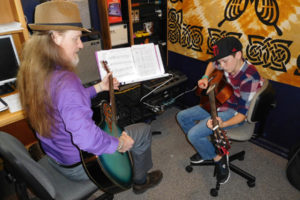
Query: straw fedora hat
[[57, 15]]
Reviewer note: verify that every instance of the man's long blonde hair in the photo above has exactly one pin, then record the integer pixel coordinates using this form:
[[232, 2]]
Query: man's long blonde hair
[[40, 57]]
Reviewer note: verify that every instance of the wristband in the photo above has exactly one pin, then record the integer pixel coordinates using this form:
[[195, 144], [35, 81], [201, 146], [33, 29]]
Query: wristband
[[120, 145], [204, 76]]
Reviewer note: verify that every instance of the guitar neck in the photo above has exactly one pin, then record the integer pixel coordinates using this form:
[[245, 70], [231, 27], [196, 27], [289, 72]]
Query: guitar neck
[[220, 140], [213, 108], [112, 100]]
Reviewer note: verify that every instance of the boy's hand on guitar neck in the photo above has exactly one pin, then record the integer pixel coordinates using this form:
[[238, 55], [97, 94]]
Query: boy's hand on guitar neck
[[203, 83], [209, 123], [125, 142]]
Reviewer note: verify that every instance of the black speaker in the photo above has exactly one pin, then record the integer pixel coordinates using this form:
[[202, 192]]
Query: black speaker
[[87, 68]]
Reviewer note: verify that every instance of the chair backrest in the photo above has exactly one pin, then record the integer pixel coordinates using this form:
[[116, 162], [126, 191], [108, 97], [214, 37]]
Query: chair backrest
[[259, 108], [18, 162], [262, 102]]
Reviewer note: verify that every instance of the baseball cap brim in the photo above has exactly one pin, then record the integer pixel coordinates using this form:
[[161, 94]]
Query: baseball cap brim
[[213, 59]]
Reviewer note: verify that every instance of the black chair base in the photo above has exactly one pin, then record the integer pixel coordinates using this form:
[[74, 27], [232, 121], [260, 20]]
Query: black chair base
[[238, 156], [105, 196]]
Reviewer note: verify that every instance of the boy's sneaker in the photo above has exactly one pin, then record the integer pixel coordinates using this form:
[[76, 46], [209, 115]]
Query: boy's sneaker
[[196, 159], [222, 169]]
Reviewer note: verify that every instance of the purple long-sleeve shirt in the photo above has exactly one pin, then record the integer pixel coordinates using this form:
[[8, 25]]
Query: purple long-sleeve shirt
[[73, 124]]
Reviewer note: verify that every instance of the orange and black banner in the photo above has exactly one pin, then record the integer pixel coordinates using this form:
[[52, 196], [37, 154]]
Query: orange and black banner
[[268, 29]]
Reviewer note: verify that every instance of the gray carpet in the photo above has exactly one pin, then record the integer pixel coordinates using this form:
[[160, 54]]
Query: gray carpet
[[171, 153]]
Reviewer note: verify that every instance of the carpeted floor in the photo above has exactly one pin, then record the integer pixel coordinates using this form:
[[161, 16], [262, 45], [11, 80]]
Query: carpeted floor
[[171, 153]]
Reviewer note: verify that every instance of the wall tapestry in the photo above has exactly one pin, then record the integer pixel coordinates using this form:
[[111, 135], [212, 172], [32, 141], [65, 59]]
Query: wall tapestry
[[268, 29]]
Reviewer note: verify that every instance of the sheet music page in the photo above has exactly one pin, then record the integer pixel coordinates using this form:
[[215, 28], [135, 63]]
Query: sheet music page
[[119, 61], [146, 60], [13, 102], [3, 105], [132, 64]]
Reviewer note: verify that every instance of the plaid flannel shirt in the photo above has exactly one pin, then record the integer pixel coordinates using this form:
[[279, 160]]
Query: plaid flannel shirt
[[245, 84]]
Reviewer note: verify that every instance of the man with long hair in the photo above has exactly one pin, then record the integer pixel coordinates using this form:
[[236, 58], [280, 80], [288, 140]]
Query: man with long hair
[[59, 107]]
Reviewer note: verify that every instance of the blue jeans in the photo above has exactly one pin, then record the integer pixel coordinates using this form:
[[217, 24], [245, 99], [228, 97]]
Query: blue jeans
[[193, 123]]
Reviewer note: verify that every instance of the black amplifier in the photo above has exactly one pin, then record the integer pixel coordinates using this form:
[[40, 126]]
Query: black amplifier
[[162, 84]]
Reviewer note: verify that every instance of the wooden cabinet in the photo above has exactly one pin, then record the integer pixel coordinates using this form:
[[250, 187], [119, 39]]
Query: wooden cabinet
[[12, 11], [145, 20], [105, 31], [15, 123]]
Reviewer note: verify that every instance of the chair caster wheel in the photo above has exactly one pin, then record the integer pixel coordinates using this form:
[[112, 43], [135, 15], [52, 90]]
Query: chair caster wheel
[[251, 183], [214, 192], [189, 168]]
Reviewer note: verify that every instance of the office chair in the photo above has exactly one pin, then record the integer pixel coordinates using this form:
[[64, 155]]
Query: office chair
[[40, 177], [262, 102]]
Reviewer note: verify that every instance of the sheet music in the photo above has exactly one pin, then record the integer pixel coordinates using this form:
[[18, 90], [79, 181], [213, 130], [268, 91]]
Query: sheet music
[[145, 63], [3, 105], [119, 61], [13, 101], [132, 64]]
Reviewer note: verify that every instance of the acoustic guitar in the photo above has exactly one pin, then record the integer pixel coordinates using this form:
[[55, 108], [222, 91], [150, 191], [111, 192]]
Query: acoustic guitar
[[110, 172], [223, 90], [219, 138]]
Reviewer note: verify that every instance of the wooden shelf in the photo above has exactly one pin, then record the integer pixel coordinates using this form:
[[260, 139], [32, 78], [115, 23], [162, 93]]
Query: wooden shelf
[[15, 123], [12, 32], [7, 118], [12, 11]]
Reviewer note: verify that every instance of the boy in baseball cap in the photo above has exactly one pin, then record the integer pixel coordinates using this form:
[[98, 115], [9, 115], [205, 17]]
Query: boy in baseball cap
[[245, 81]]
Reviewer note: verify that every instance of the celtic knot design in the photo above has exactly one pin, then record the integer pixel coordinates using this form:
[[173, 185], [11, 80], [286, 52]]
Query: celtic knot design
[[191, 37], [186, 35], [175, 1], [174, 25], [266, 11], [269, 53], [297, 71], [215, 35]]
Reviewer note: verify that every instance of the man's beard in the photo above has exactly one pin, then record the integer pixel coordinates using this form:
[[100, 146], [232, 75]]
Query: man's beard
[[75, 61]]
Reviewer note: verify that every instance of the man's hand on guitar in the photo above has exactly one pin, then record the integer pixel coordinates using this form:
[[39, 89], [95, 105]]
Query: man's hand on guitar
[[203, 83], [209, 123], [125, 142], [104, 84]]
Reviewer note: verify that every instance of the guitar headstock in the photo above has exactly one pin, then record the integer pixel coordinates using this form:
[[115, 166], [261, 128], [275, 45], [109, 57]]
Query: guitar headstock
[[105, 66], [221, 141]]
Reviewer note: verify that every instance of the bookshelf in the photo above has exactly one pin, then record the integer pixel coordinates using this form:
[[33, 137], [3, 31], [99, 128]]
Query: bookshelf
[[148, 26], [12, 21], [146, 21]]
